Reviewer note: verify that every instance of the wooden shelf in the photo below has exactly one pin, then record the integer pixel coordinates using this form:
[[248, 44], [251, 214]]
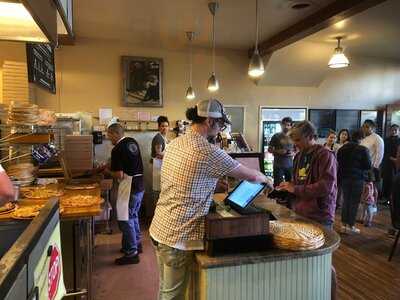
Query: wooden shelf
[[34, 138]]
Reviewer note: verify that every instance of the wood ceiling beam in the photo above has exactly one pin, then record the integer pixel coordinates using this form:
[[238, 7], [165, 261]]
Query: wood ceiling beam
[[323, 18]]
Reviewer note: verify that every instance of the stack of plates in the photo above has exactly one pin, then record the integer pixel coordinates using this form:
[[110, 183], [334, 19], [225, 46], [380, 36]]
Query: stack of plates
[[21, 174], [296, 235], [23, 114]]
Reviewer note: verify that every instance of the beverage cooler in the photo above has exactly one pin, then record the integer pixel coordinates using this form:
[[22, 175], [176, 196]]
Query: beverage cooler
[[270, 122]]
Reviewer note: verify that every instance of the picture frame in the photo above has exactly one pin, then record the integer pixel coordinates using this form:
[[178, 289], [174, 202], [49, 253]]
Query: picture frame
[[142, 84]]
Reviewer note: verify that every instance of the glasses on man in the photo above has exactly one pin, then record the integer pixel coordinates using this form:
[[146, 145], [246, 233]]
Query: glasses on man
[[221, 124]]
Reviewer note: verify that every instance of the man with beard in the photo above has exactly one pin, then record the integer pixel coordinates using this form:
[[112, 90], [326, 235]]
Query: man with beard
[[282, 148], [189, 174]]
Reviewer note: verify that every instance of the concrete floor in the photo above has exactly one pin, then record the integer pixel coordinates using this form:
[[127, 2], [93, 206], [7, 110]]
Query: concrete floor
[[131, 282]]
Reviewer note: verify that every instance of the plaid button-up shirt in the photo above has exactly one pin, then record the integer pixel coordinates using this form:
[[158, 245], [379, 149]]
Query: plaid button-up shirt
[[190, 171]]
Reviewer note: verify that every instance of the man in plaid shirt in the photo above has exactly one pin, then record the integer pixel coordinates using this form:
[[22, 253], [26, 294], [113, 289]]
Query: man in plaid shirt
[[189, 174]]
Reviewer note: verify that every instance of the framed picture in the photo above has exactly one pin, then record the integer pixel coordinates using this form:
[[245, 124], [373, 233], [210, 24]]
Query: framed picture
[[142, 81]]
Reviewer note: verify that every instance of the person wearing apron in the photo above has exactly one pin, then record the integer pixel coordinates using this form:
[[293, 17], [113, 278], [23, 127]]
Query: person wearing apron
[[127, 169], [158, 146]]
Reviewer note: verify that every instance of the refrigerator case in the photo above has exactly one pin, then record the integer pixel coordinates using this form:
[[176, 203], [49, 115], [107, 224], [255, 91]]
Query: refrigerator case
[[269, 129]]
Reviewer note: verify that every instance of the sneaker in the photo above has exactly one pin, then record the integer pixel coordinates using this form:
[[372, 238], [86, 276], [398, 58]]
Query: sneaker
[[343, 229], [127, 260], [367, 224], [354, 229]]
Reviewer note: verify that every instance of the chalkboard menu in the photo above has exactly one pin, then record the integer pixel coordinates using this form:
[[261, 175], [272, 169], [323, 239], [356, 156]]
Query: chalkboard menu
[[41, 68]]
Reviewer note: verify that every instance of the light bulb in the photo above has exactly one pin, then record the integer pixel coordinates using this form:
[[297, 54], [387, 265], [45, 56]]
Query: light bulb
[[256, 65], [213, 84], [190, 95], [338, 60]]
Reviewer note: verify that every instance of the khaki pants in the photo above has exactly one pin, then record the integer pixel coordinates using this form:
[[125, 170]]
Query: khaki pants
[[174, 266]]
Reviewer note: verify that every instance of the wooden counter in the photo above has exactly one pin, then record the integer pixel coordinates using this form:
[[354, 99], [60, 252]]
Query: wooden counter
[[67, 213], [76, 226], [273, 274]]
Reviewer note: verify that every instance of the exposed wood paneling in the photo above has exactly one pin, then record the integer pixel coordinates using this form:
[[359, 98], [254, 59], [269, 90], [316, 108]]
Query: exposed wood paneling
[[325, 17]]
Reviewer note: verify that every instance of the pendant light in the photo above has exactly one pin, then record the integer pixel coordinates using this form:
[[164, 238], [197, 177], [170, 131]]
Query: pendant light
[[256, 65], [190, 95], [213, 84], [338, 59]]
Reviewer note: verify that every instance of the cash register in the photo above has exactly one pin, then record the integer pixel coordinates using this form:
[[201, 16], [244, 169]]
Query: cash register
[[236, 225]]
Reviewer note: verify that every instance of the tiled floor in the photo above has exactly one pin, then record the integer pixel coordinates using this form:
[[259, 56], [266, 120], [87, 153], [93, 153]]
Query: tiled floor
[[131, 282]]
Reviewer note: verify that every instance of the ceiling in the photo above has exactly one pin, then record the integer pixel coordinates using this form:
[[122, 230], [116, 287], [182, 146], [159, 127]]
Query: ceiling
[[164, 22], [373, 33]]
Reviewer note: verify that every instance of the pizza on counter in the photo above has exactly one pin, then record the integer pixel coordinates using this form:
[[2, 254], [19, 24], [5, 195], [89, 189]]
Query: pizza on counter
[[80, 201], [41, 192], [26, 212], [81, 186]]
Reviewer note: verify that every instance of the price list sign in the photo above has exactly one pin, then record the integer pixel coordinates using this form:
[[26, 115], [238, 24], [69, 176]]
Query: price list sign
[[41, 68]]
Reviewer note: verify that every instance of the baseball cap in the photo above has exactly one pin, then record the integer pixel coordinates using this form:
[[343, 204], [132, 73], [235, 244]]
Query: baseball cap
[[212, 108]]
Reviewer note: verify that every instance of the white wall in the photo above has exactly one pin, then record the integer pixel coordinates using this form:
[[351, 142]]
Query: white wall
[[89, 77]]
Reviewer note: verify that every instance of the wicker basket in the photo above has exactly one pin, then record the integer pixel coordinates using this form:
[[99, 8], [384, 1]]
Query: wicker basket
[[296, 235]]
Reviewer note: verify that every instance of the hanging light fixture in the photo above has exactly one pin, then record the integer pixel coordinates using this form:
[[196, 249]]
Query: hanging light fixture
[[190, 95], [338, 59], [213, 84], [256, 65]]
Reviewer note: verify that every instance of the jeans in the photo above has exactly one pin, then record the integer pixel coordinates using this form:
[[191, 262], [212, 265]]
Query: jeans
[[174, 266], [130, 229], [279, 172], [352, 190]]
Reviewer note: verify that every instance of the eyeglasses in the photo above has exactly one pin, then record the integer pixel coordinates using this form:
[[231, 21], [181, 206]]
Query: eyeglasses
[[221, 124]]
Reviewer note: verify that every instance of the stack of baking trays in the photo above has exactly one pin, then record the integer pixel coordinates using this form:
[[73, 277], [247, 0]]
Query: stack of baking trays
[[293, 235], [23, 114]]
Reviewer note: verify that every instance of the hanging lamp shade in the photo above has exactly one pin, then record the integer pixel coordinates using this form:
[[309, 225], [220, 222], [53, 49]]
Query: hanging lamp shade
[[212, 84], [338, 59], [190, 95], [256, 65]]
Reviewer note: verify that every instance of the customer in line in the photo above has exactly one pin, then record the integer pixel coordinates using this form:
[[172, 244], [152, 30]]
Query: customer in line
[[190, 171], [330, 143], [127, 170], [368, 200], [6, 187], [314, 176], [354, 163], [375, 145], [314, 180], [343, 138], [282, 148], [391, 143]]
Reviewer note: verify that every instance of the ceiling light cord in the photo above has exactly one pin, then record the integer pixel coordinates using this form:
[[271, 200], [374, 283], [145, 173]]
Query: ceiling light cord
[[213, 43], [256, 45], [190, 61]]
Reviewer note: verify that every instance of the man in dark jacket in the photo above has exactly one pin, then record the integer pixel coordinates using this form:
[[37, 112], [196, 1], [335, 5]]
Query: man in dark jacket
[[388, 166], [314, 176], [354, 162]]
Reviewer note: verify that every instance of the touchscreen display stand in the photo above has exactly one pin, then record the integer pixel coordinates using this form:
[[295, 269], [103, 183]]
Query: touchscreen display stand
[[241, 197]]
